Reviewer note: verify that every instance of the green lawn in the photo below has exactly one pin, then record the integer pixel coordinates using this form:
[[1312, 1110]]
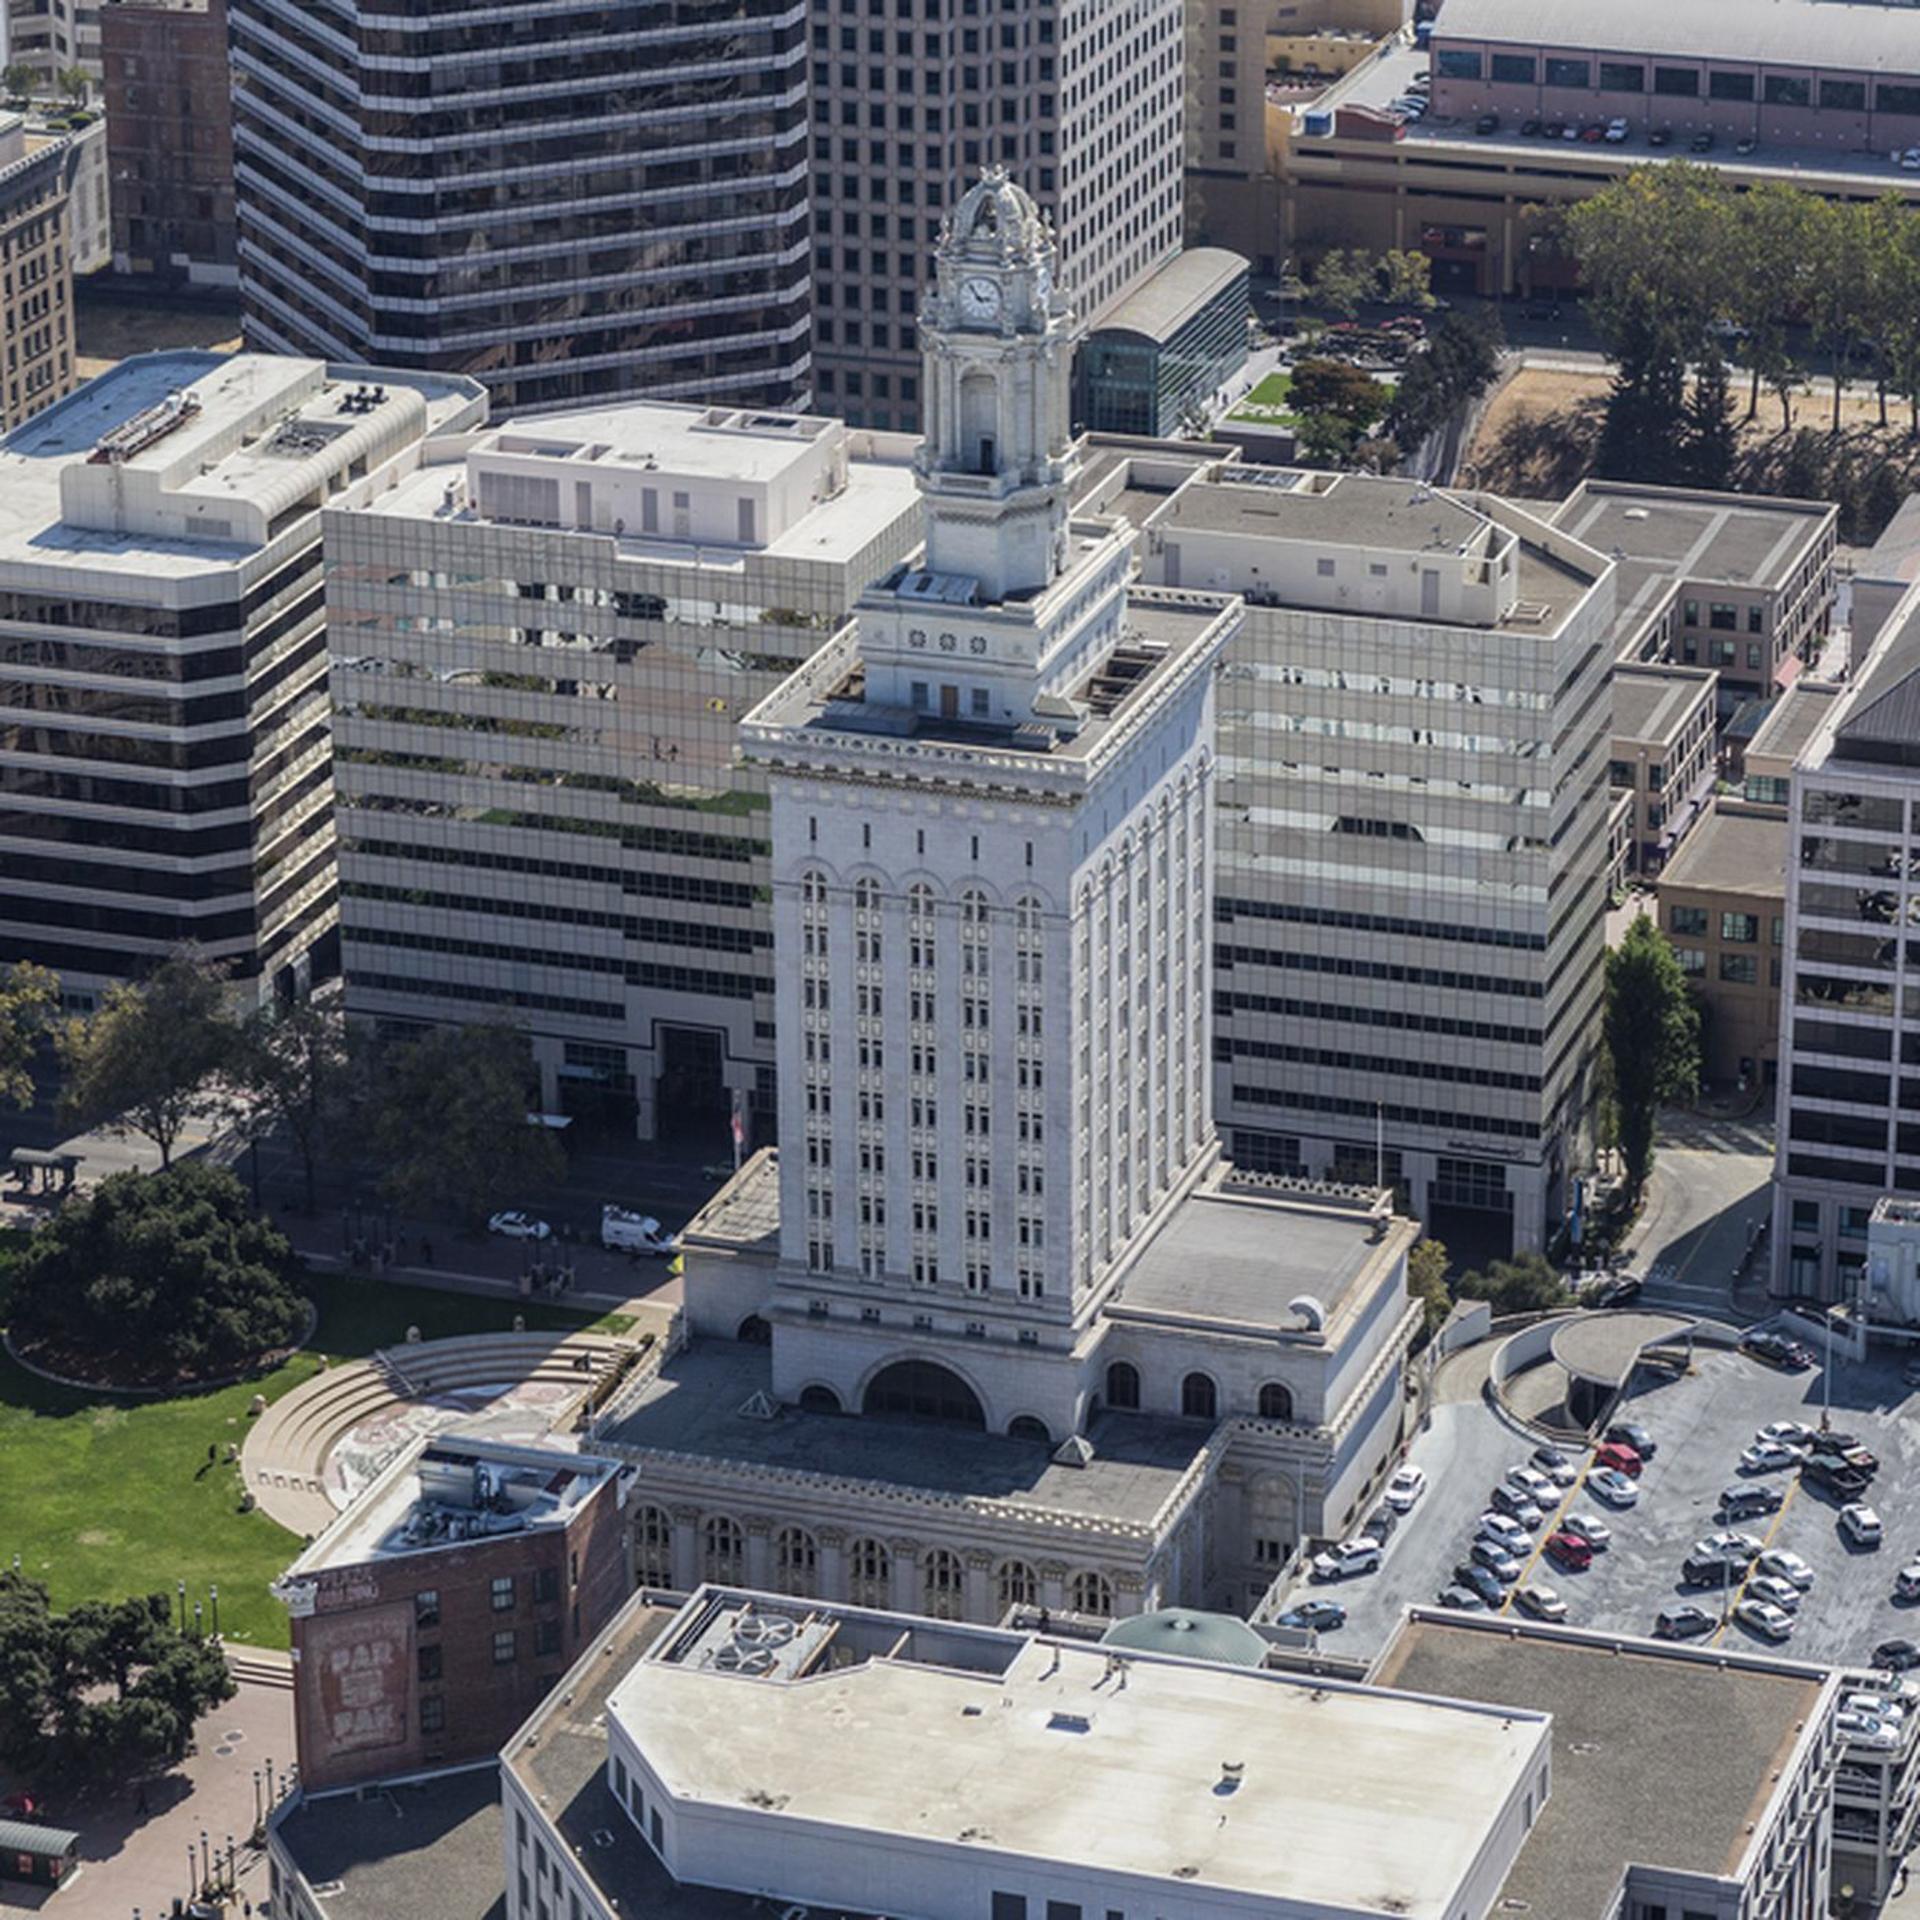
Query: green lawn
[[102, 1497], [1267, 401]]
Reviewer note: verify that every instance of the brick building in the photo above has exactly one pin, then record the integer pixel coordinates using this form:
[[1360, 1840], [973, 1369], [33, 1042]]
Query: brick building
[[433, 1618], [170, 139], [36, 272]]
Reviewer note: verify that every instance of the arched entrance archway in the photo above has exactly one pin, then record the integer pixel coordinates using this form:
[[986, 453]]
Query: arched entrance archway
[[924, 1390]]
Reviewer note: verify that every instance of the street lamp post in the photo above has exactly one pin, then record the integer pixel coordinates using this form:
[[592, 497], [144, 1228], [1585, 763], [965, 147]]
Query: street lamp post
[[233, 1880], [183, 1606], [258, 1814], [213, 1593]]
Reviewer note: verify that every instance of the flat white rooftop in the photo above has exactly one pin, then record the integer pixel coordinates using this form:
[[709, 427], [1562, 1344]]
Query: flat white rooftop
[[715, 444], [1211, 1779], [227, 433]]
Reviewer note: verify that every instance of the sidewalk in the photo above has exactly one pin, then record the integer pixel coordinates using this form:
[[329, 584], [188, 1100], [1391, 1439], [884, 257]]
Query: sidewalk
[[602, 1293]]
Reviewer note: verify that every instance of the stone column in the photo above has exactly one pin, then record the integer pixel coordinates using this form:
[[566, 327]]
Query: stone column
[[686, 1548], [982, 1604], [830, 1575], [906, 1574], [760, 1553], [1053, 1585]]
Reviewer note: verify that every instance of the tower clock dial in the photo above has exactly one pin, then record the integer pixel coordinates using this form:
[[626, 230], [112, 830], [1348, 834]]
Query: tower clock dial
[[979, 297]]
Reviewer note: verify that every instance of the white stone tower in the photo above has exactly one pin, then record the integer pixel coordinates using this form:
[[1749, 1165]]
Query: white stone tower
[[992, 858]]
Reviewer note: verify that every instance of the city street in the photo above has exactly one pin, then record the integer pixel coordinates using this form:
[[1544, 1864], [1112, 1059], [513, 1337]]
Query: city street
[[1702, 1204]]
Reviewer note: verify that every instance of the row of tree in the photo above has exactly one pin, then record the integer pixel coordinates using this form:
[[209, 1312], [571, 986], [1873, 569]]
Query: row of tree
[[1346, 278], [439, 1121], [110, 1689], [1683, 272]]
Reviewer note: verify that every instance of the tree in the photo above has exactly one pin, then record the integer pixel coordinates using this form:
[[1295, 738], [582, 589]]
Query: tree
[[1427, 1283], [451, 1122], [1342, 280], [1652, 1033], [29, 997], [1526, 1284], [1334, 387], [1708, 437], [77, 84], [1408, 274], [140, 1063], [111, 1689], [1646, 398], [172, 1270], [295, 1069], [19, 79], [1324, 439]]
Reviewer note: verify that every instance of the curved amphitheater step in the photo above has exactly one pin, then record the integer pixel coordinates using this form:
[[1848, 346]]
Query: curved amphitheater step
[[284, 1460]]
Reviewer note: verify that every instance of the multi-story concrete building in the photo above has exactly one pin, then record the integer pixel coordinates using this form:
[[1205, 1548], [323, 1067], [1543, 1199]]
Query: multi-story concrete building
[[578, 209], [1739, 583], [1827, 100], [434, 1614], [1483, 1767], [164, 745], [1723, 903], [1082, 105], [1883, 575], [36, 272], [1850, 1020], [997, 1214], [169, 95], [1414, 808], [1663, 761], [573, 615], [52, 36], [1077, 1792], [1635, 1828]]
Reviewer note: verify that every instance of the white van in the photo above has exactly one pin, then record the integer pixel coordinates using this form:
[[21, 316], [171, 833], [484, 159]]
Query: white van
[[625, 1231]]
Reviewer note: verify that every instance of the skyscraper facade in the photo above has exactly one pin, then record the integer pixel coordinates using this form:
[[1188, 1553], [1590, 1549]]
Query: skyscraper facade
[[572, 202], [1082, 102]]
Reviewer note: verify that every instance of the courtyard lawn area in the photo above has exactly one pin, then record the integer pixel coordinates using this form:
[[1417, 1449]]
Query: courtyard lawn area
[[102, 1496], [1266, 402]]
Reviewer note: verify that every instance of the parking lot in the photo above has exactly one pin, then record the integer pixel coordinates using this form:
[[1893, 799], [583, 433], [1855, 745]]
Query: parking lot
[[1701, 1424]]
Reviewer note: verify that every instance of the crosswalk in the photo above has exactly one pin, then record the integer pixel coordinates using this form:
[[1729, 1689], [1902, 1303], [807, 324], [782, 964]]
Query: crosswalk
[[1717, 1136]]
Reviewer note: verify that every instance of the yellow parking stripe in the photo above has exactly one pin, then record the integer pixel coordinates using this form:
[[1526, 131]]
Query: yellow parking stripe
[[1548, 1528], [1739, 1592]]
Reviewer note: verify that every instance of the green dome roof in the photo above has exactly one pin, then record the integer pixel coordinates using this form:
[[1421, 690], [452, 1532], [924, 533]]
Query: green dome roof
[[1192, 1635]]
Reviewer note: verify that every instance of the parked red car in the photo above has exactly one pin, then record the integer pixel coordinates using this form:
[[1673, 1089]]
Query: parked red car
[[1620, 1457], [1569, 1550]]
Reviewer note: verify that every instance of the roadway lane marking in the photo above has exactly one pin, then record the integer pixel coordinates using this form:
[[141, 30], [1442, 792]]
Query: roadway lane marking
[[1739, 1592], [1548, 1528]]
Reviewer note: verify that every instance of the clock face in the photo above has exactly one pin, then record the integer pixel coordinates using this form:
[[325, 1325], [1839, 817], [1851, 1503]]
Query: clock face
[[979, 298]]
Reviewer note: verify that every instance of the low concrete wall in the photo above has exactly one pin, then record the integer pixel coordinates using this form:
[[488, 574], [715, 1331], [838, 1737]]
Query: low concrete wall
[[1470, 1322]]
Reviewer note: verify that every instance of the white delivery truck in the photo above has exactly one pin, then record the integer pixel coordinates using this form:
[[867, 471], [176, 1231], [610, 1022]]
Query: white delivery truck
[[625, 1231]]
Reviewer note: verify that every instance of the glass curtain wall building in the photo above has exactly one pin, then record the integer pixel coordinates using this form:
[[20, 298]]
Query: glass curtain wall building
[[571, 201], [1154, 366]]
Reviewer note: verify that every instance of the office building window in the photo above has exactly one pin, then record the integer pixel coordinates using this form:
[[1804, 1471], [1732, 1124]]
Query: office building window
[[1729, 86], [426, 1607], [1569, 73], [433, 1713], [1457, 63], [503, 1593], [1787, 90], [1740, 969], [1693, 960], [503, 1647], [429, 1662], [1622, 76], [1687, 920], [1681, 82], [1744, 927], [1521, 69], [1009, 1906]]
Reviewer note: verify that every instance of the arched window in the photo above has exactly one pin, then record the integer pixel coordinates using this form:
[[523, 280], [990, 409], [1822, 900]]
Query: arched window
[[943, 1586], [869, 1574], [754, 1331], [1123, 1386], [1028, 1426], [724, 1549], [796, 1560], [1276, 1401], [1198, 1400], [653, 1548], [819, 1400], [1091, 1593], [866, 895], [1015, 1585], [813, 887], [924, 1390]]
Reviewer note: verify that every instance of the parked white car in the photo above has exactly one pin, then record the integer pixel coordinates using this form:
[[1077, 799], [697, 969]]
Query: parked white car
[[1906, 1583], [1405, 1488], [1591, 1528], [1786, 1433], [519, 1226], [1779, 1564], [1860, 1524], [1348, 1558], [1534, 1484], [1775, 1592], [1504, 1532], [1769, 1456], [1614, 1487], [1765, 1619], [625, 1231]]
